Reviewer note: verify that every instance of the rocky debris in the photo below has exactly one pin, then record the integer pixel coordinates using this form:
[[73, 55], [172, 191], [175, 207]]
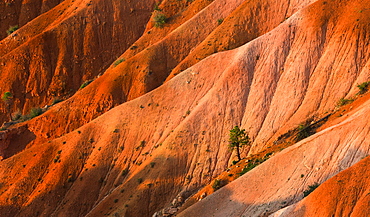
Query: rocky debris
[[202, 196], [172, 209]]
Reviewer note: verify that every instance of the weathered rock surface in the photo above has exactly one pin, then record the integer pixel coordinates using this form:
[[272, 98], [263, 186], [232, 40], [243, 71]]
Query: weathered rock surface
[[346, 194], [129, 142], [53, 54]]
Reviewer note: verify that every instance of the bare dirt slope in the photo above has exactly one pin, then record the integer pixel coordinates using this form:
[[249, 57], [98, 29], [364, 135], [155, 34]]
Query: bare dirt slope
[[168, 141], [346, 194]]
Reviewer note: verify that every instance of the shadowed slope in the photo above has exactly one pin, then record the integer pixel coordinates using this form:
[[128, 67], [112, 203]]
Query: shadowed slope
[[21, 12]]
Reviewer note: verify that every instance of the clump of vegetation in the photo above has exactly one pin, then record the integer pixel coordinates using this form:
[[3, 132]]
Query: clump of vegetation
[[83, 85], [310, 189], [8, 99], [344, 101], [139, 180], [12, 29], [219, 21], [304, 130], [56, 100], [238, 138], [248, 168], [156, 7], [117, 62], [364, 87], [35, 112], [152, 164], [159, 20], [235, 162], [253, 164], [7, 96], [217, 184]]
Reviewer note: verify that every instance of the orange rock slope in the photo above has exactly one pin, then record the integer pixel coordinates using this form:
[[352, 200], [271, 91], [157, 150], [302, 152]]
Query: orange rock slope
[[139, 139], [52, 55]]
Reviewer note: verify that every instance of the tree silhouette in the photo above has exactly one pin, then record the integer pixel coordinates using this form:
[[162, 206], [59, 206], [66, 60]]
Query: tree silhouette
[[238, 138], [7, 99]]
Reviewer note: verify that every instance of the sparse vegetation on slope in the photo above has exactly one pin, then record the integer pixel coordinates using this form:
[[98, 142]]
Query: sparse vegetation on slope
[[159, 19], [12, 29], [310, 189], [363, 87]]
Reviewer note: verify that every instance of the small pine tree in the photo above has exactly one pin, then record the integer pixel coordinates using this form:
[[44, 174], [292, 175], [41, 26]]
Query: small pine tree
[[238, 138]]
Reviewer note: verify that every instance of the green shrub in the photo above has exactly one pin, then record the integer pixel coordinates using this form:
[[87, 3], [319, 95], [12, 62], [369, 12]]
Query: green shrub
[[344, 101], [235, 162], [304, 130], [219, 21], [7, 96], [159, 20], [217, 184], [12, 29], [364, 87], [118, 62], [83, 85], [310, 189], [35, 112], [248, 168]]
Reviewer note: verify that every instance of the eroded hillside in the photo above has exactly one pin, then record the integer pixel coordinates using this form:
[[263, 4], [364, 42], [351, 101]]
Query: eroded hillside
[[153, 129], [50, 57]]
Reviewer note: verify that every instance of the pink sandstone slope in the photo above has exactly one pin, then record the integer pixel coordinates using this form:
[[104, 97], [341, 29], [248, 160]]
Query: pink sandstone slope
[[346, 194]]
